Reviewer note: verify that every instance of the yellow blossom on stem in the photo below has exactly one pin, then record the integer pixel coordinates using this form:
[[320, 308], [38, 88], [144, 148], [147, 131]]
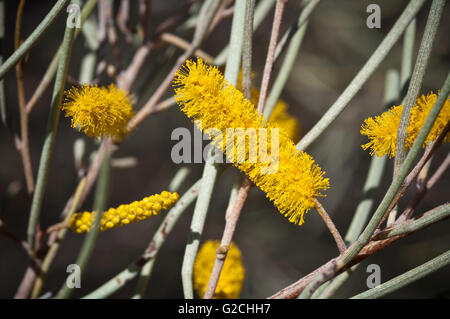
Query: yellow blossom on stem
[[98, 111], [125, 214], [382, 130], [204, 95], [231, 277]]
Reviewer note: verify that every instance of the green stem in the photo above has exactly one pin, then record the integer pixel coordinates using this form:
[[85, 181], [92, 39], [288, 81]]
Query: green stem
[[407, 56], [34, 37], [416, 79], [298, 33], [52, 126], [363, 75], [433, 216], [261, 11], [51, 69], [100, 200], [406, 278]]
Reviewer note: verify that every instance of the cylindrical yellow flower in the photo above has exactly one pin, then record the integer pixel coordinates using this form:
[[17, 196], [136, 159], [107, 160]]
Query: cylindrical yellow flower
[[231, 277], [125, 214], [382, 130], [99, 111], [296, 180]]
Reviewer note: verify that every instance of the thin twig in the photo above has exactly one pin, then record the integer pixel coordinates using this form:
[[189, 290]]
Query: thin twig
[[33, 38], [24, 143], [407, 278], [100, 200], [230, 226], [183, 44], [426, 219], [270, 59], [331, 227], [47, 149], [372, 183], [298, 33], [51, 69], [51, 254], [209, 10]]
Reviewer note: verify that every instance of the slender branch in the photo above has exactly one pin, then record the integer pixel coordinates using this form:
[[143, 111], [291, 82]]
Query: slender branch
[[422, 189], [33, 38], [433, 216], [24, 143], [420, 67], [208, 10], [53, 66], [363, 75], [407, 278], [51, 254], [101, 195], [47, 149], [298, 33], [331, 227], [372, 183], [270, 59], [232, 218], [183, 44]]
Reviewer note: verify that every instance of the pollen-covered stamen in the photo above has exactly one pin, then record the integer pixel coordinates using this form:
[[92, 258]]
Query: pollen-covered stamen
[[382, 130]]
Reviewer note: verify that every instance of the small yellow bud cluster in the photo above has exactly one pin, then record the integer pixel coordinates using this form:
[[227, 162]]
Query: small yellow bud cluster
[[125, 214]]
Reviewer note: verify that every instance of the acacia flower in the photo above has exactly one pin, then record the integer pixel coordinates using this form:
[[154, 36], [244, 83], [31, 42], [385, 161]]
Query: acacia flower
[[382, 130], [231, 277], [98, 111], [204, 95], [125, 214]]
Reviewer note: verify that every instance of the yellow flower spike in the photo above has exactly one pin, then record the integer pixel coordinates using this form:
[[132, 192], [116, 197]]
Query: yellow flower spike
[[382, 130], [204, 95], [124, 214], [231, 277], [98, 111]]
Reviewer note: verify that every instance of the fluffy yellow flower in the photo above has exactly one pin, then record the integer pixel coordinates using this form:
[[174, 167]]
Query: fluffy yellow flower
[[382, 130], [204, 95], [99, 111], [231, 278], [125, 214]]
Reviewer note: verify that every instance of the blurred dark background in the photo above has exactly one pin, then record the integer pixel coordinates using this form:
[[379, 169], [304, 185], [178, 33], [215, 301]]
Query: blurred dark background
[[275, 252]]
